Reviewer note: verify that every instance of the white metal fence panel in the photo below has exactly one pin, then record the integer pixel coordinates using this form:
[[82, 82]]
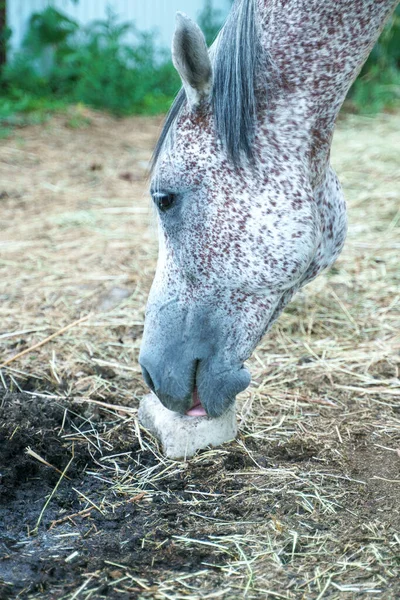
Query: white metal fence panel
[[147, 15]]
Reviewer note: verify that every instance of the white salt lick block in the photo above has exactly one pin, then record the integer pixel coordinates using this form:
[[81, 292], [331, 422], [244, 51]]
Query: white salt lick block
[[180, 435]]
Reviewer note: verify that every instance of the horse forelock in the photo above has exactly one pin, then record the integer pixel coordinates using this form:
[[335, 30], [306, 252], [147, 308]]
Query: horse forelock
[[235, 56]]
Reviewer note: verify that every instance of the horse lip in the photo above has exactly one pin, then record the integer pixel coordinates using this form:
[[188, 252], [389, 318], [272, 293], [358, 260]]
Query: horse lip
[[219, 389]]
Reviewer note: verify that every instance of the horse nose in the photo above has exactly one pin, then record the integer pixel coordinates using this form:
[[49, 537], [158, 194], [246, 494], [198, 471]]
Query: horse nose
[[173, 381], [147, 378], [172, 384]]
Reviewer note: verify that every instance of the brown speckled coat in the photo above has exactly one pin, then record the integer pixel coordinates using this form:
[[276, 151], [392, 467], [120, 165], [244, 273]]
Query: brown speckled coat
[[237, 242]]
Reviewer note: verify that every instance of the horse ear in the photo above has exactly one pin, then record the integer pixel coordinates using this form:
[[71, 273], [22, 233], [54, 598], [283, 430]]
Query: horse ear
[[191, 59]]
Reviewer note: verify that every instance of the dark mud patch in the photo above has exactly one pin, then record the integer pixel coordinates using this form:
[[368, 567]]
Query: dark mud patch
[[88, 525], [122, 510]]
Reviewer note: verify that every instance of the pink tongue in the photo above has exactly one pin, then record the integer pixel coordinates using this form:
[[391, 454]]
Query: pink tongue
[[197, 409]]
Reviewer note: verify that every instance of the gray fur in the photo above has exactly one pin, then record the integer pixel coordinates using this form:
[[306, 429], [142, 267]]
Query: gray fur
[[235, 56], [234, 105]]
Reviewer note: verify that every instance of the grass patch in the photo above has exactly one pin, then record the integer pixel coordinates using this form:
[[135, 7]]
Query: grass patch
[[99, 66]]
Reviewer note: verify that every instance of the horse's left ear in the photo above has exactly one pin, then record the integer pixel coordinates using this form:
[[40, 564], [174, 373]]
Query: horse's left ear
[[191, 59]]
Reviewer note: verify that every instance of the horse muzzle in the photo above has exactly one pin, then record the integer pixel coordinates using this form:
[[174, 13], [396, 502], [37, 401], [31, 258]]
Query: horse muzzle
[[184, 362]]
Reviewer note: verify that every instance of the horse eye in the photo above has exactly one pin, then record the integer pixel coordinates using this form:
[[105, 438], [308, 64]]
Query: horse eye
[[164, 201]]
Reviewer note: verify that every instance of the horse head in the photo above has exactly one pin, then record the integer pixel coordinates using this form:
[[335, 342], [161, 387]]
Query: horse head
[[248, 207], [228, 249]]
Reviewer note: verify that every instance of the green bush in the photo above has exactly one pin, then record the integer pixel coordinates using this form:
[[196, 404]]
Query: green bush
[[61, 63], [95, 66]]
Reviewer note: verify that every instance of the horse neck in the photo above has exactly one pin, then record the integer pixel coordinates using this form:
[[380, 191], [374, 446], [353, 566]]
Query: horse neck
[[316, 50]]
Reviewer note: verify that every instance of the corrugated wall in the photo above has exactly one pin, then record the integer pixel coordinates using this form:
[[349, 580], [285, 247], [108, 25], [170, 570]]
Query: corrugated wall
[[148, 15]]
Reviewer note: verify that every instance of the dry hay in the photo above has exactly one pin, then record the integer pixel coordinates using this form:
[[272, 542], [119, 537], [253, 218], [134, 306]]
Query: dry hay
[[305, 504]]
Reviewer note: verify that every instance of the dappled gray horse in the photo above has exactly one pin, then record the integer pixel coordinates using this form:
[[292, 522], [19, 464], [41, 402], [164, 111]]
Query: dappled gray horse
[[249, 207]]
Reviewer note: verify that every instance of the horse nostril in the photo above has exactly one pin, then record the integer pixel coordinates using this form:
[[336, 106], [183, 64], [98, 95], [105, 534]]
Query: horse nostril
[[148, 379]]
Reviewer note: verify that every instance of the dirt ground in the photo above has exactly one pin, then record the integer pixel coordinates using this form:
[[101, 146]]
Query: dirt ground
[[305, 504]]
